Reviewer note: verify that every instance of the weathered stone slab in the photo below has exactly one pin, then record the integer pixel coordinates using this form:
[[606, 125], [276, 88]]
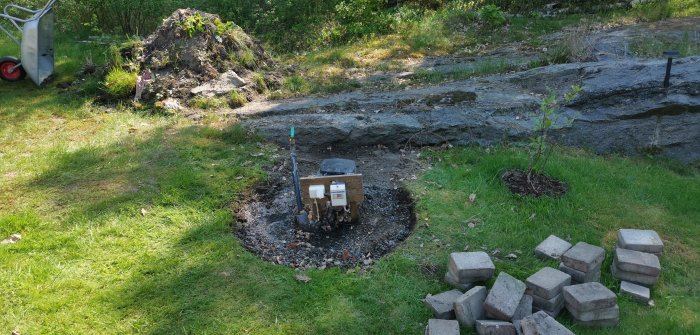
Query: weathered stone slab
[[588, 297], [637, 262], [579, 277], [470, 306], [452, 281], [442, 304], [442, 327], [552, 248], [541, 323], [471, 266], [597, 323], [556, 303], [494, 327], [637, 292], [524, 308], [640, 240], [547, 283], [636, 278], [504, 298], [583, 257], [598, 314]]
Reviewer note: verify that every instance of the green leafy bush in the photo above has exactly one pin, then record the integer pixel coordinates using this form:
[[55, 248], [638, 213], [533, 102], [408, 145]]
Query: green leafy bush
[[492, 15], [120, 83]]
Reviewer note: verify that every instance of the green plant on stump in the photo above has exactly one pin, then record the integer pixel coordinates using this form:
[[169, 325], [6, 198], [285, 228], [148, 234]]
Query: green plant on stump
[[120, 83], [549, 118]]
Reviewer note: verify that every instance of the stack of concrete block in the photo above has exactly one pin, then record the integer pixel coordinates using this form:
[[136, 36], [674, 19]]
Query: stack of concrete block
[[592, 304], [541, 323], [442, 327], [552, 247], [583, 262], [466, 269], [546, 287], [637, 257]]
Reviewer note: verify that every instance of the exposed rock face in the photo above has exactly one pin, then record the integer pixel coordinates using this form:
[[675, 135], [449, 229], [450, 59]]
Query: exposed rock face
[[624, 108]]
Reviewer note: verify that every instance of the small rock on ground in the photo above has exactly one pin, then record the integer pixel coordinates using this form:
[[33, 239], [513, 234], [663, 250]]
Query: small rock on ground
[[637, 292]]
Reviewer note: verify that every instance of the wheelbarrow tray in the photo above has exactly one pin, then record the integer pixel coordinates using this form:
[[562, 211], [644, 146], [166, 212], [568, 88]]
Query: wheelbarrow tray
[[37, 47]]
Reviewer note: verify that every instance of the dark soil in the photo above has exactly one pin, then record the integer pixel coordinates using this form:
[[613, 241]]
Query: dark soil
[[266, 226], [538, 185]]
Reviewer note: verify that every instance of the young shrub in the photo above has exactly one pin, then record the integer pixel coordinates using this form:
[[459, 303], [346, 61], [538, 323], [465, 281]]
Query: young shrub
[[120, 83], [492, 15], [237, 99]]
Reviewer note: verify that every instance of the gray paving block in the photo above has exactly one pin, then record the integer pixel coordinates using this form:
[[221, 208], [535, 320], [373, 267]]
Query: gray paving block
[[452, 281], [640, 240], [504, 298], [597, 323], [548, 304], [471, 266], [524, 308], [442, 304], [598, 314], [637, 292], [554, 313], [588, 297], [636, 278], [470, 306], [581, 277], [583, 257], [541, 323], [442, 327], [547, 283], [637, 262], [552, 248], [494, 327]]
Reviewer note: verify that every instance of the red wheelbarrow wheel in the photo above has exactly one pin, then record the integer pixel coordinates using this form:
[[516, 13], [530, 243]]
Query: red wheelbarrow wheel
[[9, 70]]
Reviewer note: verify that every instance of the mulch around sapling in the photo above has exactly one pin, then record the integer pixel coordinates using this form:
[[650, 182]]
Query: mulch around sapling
[[538, 185], [265, 224]]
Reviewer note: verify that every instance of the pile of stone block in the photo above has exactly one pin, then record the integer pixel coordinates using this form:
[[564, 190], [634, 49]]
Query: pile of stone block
[[466, 269], [546, 287], [583, 263], [636, 262], [592, 304], [505, 305]]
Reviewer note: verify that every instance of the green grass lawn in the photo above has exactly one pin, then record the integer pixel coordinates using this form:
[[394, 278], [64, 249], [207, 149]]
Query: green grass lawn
[[126, 227]]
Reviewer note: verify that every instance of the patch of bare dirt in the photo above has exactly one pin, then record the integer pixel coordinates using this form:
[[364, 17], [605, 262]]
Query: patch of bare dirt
[[537, 185]]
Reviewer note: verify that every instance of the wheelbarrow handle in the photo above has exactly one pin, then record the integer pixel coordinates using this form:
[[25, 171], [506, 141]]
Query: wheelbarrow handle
[[30, 11]]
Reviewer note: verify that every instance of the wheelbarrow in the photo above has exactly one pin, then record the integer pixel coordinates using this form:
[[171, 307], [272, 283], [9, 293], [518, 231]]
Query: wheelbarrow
[[36, 43]]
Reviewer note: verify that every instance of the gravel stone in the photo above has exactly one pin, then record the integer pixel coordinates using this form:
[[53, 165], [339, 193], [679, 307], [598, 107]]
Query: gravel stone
[[583, 257], [493, 327], [471, 267], [470, 306], [442, 327], [637, 262], [637, 292], [636, 278], [541, 323], [552, 248], [578, 277], [588, 297], [640, 240], [547, 283], [504, 298], [442, 304]]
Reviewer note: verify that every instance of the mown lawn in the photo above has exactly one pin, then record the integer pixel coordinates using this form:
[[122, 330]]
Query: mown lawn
[[126, 228]]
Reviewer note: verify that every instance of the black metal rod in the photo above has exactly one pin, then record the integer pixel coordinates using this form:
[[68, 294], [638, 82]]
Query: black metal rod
[[295, 179], [667, 80]]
